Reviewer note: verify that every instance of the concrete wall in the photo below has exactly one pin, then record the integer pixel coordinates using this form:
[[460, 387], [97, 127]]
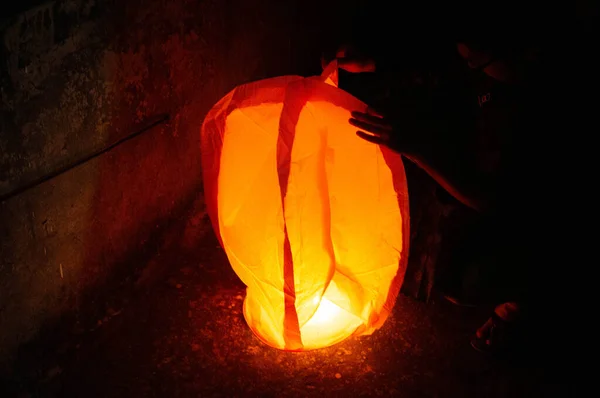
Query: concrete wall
[[77, 75]]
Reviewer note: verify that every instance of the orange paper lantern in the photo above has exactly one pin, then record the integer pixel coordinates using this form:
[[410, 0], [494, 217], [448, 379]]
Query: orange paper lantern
[[314, 220]]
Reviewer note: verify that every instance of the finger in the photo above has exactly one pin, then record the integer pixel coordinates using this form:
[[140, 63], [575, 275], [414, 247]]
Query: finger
[[371, 138], [343, 50], [356, 65], [324, 61], [484, 330], [369, 127], [370, 119]]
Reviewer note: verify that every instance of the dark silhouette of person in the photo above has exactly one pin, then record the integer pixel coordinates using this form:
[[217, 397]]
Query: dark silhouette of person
[[484, 137]]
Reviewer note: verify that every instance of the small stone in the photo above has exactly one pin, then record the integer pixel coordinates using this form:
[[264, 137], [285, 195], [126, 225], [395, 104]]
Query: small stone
[[195, 347], [178, 286], [338, 375]]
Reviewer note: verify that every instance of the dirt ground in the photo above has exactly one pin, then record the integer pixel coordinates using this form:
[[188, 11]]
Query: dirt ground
[[185, 336]]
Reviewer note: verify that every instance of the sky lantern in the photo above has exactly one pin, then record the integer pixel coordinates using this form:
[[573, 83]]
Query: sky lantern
[[313, 219]]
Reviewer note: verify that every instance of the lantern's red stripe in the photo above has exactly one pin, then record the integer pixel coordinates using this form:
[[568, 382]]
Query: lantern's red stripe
[[290, 115]]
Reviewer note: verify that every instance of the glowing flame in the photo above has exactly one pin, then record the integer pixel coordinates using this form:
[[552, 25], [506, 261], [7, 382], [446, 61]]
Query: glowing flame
[[330, 324], [326, 313]]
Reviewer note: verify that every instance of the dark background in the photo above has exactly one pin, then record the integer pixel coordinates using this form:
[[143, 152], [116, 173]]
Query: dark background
[[110, 283]]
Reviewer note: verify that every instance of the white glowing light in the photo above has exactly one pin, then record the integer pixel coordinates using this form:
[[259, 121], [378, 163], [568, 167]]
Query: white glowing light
[[326, 313], [329, 324]]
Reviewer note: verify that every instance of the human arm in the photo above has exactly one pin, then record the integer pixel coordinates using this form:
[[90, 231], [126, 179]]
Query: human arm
[[419, 141]]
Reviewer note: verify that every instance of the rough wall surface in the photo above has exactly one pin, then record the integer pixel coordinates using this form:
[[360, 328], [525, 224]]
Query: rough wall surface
[[78, 75]]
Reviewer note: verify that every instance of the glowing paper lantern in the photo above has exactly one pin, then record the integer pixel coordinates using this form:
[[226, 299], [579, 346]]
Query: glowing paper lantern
[[313, 219]]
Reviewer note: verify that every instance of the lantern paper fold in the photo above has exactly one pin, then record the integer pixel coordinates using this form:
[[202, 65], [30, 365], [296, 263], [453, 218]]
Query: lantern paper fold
[[314, 220]]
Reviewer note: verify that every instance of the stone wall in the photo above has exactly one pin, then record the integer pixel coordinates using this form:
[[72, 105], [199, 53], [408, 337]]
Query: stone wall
[[79, 75]]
